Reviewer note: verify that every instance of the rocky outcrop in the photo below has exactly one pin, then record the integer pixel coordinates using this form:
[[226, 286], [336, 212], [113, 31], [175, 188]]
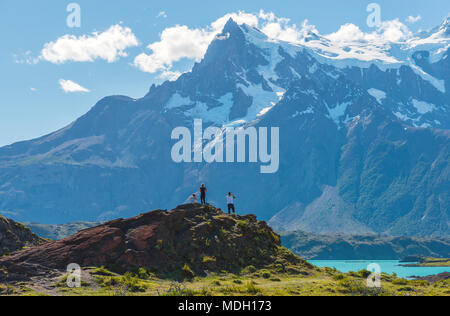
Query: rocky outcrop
[[189, 239], [435, 278], [15, 236]]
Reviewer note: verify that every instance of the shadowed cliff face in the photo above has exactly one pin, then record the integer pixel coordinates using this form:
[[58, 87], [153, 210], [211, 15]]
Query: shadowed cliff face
[[205, 239], [15, 236]]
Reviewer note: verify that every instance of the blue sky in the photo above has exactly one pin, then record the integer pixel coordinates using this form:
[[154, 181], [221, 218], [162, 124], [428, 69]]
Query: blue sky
[[32, 100]]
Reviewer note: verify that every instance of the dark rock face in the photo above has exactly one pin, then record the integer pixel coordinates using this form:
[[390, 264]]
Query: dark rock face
[[15, 236], [205, 239]]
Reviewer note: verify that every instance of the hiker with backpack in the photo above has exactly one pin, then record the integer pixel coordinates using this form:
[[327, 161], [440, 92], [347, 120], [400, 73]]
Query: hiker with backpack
[[230, 201]]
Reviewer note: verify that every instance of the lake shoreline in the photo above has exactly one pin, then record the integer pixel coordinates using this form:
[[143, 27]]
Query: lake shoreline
[[386, 266], [433, 278], [429, 262]]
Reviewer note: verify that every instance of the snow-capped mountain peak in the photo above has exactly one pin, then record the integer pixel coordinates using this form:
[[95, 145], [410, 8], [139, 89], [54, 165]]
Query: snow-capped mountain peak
[[445, 26], [249, 73]]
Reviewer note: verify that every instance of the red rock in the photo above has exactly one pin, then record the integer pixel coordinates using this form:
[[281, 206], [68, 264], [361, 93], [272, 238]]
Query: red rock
[[160, 241]]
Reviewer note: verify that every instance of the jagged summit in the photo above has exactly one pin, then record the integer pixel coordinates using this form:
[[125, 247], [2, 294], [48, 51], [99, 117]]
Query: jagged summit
[[226, 44], [440, 30], [203, 238], [231, 26], [313, 36], [234, 27], [445, 26]]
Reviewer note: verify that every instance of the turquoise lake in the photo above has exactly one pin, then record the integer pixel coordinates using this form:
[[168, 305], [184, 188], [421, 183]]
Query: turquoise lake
[[387, 266]]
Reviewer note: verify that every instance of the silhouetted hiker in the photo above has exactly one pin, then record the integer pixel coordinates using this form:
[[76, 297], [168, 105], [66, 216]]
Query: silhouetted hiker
[[230, 202], [203, 191], [193, 198]]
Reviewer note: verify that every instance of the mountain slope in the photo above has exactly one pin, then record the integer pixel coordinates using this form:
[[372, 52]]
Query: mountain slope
[[359, 148], [15, 236]]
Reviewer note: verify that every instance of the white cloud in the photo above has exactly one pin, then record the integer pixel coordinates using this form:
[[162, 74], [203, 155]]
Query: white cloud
[[33, 89], [239, 17], [170, 75], [389, 31], [180, 41], [347, 33], [109, 45], [308, 28], [68, 86], [176, 43], [26, 58], [394, 31], [281, 29], [413, 19], [162, 14]]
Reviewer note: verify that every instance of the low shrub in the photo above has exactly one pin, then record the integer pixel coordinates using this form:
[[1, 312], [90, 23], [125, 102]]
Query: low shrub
[[102, 271], [251, 288], [186, 272], [248, 270]]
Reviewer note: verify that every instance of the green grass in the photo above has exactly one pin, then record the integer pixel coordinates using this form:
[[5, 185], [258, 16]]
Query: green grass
[[207, 259], [103, 271], [317, 282]]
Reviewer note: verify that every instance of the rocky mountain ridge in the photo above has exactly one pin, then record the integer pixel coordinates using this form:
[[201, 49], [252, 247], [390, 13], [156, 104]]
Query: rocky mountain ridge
[[189, 240]]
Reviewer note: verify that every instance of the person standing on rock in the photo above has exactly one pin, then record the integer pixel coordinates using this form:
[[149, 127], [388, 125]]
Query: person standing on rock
[[230, 202], [203, 191]]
